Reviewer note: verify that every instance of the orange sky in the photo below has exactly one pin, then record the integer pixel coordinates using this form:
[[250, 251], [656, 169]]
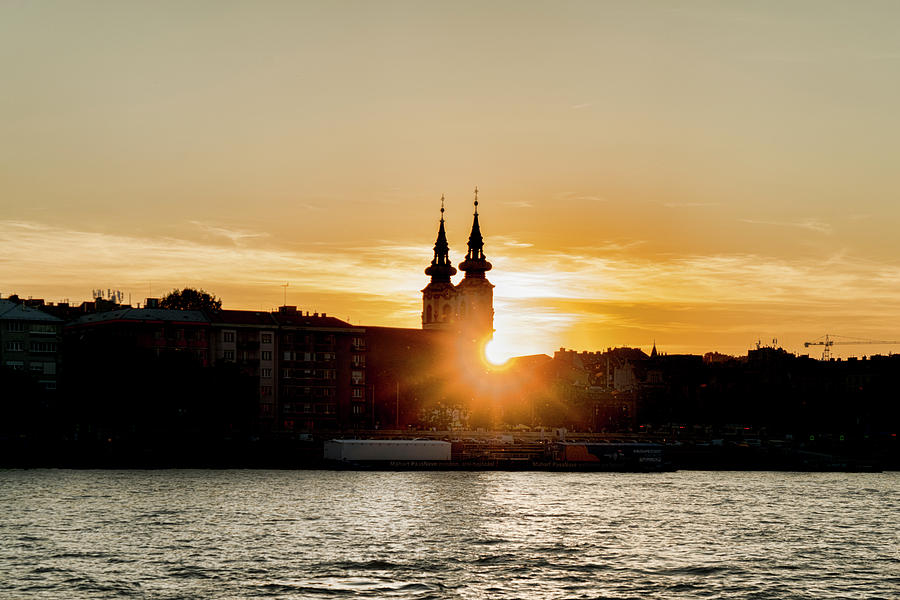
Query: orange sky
[[706, 175]]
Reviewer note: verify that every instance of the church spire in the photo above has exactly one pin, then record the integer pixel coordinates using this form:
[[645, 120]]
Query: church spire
[[441, 270], [475, 264]]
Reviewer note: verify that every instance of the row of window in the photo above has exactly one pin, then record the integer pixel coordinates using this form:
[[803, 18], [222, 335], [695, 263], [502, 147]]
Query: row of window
[[290, 339], [308, 374], [33, 347], [310, 408], [22, 326], [229, 355], [308, 356], [264, 338], [43, 368]]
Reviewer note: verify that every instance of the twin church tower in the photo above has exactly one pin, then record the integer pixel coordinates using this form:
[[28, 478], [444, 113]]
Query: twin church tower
[[466, 308]]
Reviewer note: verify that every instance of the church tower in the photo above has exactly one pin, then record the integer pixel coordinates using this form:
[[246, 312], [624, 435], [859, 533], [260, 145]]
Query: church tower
[[439, 296], [475, 308]]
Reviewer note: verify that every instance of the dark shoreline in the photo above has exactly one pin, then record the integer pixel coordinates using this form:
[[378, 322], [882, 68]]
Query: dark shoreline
[[294, 454]]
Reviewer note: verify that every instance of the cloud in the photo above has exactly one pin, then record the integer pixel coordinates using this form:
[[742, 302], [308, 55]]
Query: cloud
[[509, 242], [581, 106], [589, 297], [689, 204], [808, 224], [576, 196], [235, 235]]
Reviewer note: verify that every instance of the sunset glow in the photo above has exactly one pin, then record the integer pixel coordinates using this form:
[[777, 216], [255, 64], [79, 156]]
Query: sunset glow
[[706, 177], [496, 354]]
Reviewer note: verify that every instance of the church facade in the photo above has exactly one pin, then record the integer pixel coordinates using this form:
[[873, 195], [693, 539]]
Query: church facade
[[466, 308]]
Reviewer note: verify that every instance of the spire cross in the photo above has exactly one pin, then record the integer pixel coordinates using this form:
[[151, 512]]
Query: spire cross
[[476, 199], [442, 207]]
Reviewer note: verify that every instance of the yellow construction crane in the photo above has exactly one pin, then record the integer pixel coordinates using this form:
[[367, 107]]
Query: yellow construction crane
[[827, 341]]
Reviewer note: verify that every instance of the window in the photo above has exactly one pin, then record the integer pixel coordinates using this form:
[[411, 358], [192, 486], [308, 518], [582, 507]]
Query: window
[[357, 377], [36, 367], [358, 360], [265, 390], [266, 355], [266, 338], [228, 336], [43, 346], [288, 355], [15, 346], [357, 393], [358, 409], [15, 365], [229, 355], [43, 328], [15, 326], [307, 356], [358, 342], [265, 372]]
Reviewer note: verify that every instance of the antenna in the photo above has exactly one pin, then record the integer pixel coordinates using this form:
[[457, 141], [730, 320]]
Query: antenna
[[285, 286]]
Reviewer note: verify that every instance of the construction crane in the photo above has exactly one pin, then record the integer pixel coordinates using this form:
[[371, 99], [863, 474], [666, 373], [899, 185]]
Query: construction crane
[[827, 341]]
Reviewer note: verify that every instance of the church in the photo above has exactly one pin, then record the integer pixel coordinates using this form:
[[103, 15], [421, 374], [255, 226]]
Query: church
[[466, 308], [412, 371]]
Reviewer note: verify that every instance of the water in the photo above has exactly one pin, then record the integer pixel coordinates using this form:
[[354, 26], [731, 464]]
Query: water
[[323, 534]]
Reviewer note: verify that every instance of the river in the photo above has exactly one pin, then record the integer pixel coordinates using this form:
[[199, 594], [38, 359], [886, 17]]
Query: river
[[327, 534]]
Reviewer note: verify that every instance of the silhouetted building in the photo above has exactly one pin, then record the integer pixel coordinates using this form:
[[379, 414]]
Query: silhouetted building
[[468, 307], [322, 367], [30, 341], [246, 339]]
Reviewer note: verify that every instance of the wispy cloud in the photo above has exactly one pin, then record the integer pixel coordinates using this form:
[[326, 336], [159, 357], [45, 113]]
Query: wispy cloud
[[235, 235], [509, 242], [581, 106], [808, 224], [577, 196], [690, 204], [587, 296]]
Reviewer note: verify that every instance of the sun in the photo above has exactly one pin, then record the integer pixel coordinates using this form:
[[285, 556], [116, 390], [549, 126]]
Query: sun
[[495, 353]]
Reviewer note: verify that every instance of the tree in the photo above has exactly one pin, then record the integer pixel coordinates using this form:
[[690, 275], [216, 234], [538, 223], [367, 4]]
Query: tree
[[190, 299]]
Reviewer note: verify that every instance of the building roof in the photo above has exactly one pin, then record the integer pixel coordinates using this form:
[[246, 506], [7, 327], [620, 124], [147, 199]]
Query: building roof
[[144, 314], [241, 317], [14, 311], [300, 320]]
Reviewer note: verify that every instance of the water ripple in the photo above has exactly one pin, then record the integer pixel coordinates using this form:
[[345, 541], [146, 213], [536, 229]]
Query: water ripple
[[323, 534]]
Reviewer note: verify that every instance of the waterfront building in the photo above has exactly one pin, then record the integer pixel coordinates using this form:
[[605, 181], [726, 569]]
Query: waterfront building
[[246, 339], [30, 341], [321, 382], [467, 308]]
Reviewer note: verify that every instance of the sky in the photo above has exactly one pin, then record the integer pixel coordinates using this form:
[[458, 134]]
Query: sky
[[705, 175]]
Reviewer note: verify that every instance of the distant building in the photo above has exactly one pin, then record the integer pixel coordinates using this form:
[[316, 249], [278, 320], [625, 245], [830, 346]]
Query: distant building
[[248, 339], [321, 379], [30, 341], [153, 331], [468, 307]]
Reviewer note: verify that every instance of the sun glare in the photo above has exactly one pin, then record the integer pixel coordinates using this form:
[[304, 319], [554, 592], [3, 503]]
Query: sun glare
[[495, 353]]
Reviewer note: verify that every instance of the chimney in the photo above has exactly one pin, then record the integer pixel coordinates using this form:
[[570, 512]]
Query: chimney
[[151, 303]]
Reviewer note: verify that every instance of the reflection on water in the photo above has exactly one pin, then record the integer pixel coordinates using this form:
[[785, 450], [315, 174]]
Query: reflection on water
[[309, 534]]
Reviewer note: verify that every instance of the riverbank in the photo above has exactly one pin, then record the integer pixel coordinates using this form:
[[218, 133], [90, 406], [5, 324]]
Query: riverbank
[[484, 453]]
